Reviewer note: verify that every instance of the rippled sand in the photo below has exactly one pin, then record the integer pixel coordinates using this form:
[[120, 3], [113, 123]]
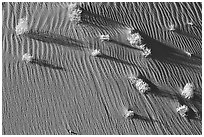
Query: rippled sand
[[69, 90]]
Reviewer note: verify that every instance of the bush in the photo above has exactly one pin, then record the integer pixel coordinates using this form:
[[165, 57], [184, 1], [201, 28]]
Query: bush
[[139, 84], [75, 13], [104, 37], [172, 27], [27, 57], [146, 52], [188, 91], [135, 40], [95, 52], [129, 114], [182, 110], [22, 26]]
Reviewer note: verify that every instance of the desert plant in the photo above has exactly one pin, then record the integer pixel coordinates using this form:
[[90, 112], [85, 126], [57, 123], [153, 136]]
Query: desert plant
[[172, 27], [142, 46], [190, 23], [188, 91], [22, 26], [146, 52], [182, 110], [188, 53], [104, 37], [129, 114], [95, 52], [27, 57], [135, 39], [75, 13], [139, 84]]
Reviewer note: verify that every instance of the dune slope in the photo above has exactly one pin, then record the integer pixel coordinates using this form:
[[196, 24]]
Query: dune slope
[[70, 91]]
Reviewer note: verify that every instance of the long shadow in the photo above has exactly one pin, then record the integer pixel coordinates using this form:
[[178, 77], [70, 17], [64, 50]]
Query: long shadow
[[195, 104], [122, 44], [197, 97], [45, 63], [99, 20], [114, 59], [195, 111], [143, 118], [48, 37], [192, 115], [157, 91], [84, 22], [168, 54], [197, 57], [180, 32]]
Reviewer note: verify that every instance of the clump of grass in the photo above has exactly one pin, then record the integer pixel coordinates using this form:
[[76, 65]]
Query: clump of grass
[[139, 84], [22, 26], [190, 23], [188, 53], [146, 52], [172, 27], [75, 13], [27, 58], [129, 114], [188, 91], [104, 37], [182, 110], [95, 52], [135, 40]]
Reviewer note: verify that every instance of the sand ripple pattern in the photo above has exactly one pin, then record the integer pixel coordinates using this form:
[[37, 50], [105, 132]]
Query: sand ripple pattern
[[87, 95]]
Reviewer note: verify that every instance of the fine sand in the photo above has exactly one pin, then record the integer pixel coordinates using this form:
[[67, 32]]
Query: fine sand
[[67, 91]]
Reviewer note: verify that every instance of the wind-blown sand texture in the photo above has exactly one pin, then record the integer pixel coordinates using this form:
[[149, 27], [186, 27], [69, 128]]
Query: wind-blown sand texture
[[67, 91]]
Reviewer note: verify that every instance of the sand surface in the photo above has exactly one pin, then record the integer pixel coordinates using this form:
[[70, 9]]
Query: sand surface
[[71, 91]]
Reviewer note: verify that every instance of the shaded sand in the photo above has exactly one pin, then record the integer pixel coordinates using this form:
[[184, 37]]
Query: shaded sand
[[66, 91]]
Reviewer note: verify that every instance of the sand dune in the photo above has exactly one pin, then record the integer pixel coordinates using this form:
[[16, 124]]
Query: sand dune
[[67, 90]]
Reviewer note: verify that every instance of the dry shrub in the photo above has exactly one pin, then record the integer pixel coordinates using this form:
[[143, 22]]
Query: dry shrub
[[74, 13], [188, 90], [22, 26], [27, 57]]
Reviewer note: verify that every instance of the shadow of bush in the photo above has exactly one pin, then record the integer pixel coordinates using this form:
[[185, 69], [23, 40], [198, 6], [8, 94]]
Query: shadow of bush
[[48, 37], [168, 54]]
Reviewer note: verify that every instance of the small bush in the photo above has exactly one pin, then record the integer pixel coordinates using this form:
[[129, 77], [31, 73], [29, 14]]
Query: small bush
[[188, 91], [139, 84], [95, 52], [129, 114], [22, 26], [27, 57], [190, 23], [172, 27], [188, 53], [135, 40], [182, 110], [104, 37], [146, 52], [75, 13]]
